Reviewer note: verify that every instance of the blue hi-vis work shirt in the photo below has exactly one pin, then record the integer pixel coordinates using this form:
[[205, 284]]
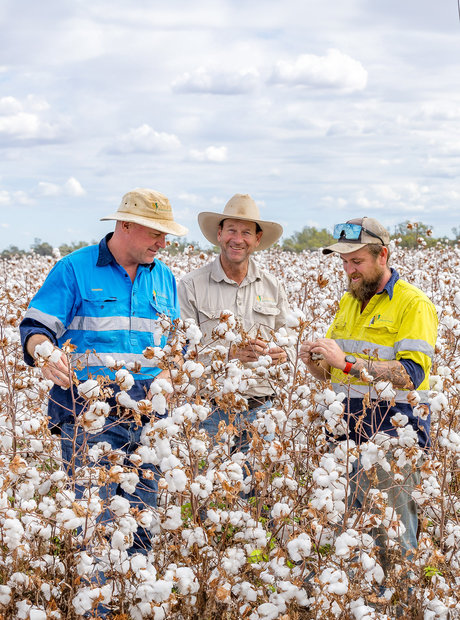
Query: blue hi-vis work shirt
[[399, 323], [89, 299]]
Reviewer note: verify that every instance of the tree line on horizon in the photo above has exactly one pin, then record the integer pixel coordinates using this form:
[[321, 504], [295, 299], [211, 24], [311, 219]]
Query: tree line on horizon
[[409, 235]]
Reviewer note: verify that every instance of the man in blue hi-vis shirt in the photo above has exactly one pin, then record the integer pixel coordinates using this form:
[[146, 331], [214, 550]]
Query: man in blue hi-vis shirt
[[106, 299]]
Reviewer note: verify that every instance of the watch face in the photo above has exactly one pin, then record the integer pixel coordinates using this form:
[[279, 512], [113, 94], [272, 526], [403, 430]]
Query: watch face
[[350, 358]]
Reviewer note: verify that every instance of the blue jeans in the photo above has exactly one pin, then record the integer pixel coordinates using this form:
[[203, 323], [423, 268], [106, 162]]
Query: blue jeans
[[124, 436], [241, 421], [399, 498]]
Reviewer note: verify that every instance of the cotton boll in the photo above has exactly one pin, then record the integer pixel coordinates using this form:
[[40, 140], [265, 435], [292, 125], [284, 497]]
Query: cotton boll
[[346, 543], [129, 481], [89, 389], [172, 519], [294, 318], [5, 595], [119, 505], [159, 404], [233, 560], [266, 611], [280, 510], [124, 379], [299, 547], [176, 480], [385, 390], [192, 332], [335, 581]]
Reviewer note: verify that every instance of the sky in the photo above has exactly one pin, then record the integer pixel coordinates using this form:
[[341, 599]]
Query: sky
[[321, 110]]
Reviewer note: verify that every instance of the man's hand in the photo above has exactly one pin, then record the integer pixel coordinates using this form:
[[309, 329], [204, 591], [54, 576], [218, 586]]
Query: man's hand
[[327, 349], [253, 349], [55, 367]]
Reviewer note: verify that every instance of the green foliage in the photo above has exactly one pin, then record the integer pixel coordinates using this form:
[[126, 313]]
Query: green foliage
[[11, 251], [411, 233], [41, 247], [310, 238], [431, 571], [66, 248]]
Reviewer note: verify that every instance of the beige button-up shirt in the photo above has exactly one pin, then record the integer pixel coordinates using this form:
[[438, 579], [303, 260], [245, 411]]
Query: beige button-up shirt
[[260, 303]]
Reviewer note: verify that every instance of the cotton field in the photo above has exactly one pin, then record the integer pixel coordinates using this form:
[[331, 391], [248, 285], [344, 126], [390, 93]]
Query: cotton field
[[257, 536]]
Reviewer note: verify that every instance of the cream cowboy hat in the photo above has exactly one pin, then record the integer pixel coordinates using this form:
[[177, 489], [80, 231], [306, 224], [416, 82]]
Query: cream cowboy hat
[[148, 208], [239, 207]]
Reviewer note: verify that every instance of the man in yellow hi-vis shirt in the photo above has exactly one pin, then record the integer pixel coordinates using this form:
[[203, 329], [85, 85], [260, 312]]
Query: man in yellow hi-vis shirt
[[378, 353]]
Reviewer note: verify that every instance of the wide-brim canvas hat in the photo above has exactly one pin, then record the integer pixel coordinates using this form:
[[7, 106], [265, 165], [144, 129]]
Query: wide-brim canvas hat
[[148, 208], [239, 207], [372, 232]]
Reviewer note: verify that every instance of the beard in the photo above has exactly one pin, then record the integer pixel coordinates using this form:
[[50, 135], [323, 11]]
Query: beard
[[365, 288]]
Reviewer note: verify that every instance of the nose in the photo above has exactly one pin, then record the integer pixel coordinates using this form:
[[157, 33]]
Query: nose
[[162, 241], [237, 237]]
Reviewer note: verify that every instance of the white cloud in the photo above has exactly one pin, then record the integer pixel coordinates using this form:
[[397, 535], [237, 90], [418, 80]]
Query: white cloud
[[144, 139], [73, 187], [334, 70], [211, 153], [24, 121], [217, 82]]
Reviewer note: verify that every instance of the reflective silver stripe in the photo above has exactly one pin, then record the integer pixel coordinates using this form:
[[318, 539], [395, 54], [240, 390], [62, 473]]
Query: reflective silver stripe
[[98, 359], [408, 344], [366, 348], [358, 391], [108, 323], [385, 352], [48, 320]]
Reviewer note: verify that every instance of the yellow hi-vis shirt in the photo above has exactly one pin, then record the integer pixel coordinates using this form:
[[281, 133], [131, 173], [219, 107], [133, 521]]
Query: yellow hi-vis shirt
[[399, 323]]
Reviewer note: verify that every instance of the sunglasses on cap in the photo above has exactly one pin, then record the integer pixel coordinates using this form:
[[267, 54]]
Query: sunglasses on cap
[[352, 232]]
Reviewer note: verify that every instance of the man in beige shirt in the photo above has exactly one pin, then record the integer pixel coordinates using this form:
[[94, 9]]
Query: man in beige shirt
[[234, 281]]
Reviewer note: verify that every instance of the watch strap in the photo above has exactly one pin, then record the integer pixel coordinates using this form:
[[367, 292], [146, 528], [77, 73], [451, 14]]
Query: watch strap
[[348, 367]]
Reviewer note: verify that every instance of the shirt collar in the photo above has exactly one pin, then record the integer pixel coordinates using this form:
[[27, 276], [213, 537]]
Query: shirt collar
[[218, 274], [106, 257], [389, 286]]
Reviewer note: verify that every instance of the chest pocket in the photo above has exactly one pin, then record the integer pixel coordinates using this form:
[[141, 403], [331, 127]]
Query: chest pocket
[[162, 306], [265, 314], [382, 334], [208, 319], [338, 330], [97, 306]]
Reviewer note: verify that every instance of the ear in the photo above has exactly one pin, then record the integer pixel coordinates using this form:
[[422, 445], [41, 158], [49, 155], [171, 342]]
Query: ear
[[219, 233], [259, 237], [383, 256]]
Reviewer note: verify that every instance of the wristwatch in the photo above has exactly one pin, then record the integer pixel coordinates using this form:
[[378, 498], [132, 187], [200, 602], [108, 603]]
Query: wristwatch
[[350, 360]]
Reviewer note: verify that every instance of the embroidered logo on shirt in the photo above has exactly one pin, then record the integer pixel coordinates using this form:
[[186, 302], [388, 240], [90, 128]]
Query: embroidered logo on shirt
[[380, 319], [159, 296], [264, 299]]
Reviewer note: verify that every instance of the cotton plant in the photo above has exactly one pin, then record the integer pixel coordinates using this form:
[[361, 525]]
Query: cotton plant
[[258, 535]]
